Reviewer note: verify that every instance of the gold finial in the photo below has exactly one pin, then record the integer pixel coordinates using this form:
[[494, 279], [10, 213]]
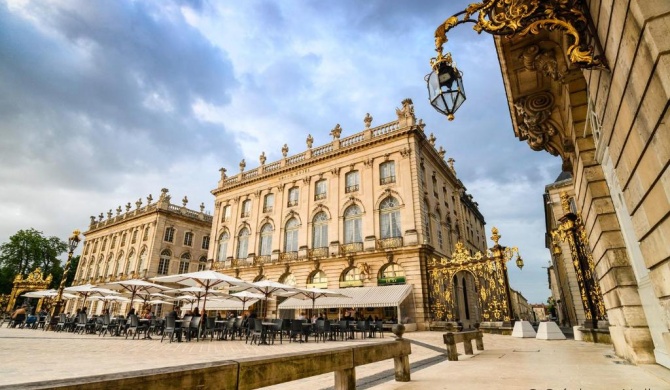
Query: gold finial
[[494, 235]]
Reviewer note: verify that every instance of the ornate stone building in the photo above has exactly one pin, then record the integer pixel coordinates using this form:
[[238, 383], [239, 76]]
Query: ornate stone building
[[606, 115], [370, 209], [150, 240]]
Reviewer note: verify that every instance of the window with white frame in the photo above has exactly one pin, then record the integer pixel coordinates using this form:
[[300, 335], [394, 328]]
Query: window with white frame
[[353, 224], [320, 189], [223, 246], [130, 263], [225, 214], [320, 230], [351, 180], [268, 203], [246, 209], [123, 239], [110, 247], [387, 172], [169, 234], [134, 239], [188, 239], [389, 218], [202, 263], [205, 242], [184, 262], [164, 263], [293, 196], [243, 244], [291, 235], [265, 248]]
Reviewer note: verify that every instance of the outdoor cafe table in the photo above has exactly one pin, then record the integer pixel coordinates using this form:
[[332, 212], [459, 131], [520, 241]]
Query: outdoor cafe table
[[267, 326], [146, 321]]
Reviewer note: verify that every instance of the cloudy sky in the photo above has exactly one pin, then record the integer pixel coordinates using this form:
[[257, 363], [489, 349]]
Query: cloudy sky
[[104, 102]]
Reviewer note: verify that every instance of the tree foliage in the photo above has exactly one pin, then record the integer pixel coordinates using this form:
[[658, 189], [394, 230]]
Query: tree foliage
[[27, 250]]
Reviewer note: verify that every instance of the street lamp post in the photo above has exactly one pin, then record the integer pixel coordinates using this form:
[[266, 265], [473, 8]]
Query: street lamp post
[[510, 19], [73, 241]]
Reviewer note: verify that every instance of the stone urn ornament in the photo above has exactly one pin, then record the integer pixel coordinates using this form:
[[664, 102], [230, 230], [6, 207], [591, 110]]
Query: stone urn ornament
[[398, 330]]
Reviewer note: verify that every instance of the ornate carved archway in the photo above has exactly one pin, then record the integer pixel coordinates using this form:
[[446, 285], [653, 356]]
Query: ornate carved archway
[[32, 282]]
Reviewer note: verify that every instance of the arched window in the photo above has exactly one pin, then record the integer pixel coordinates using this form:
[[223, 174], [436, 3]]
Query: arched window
[[223, 246], [389, 218], [265, 248], [130, 263], [243, 244], [146, 234], [143, 260], [184, 263], [392, 274], [320, 230], [351, 278], [164, 262], [258, 278], [291, 235], [317, 279], [352, 225], [288, 279], [119, 264], [202, 263]]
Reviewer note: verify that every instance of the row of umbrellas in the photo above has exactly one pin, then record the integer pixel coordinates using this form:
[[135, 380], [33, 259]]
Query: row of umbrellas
[[200, 285]]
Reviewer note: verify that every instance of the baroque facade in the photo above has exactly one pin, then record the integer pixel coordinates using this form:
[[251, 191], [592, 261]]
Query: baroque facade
[[369, 209], [156, 239], [608, 121]]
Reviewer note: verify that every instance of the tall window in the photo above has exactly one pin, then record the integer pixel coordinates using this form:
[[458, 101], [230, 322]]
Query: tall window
[[225, 214], [223, 246], [246, 209], [119, 263], [123, 239], [291, 235], [293, 196], [319, 279], [387, 172], [243, 244], [110, 247], [205, 242], [169, 234], [104, 245], [202, 263], [164, 263], [184, 263], [268, 203], [146, 234], [426, 221], [109, 268], [95, 247], [188, 239], [351, 275], [389, 218], [320, 230], [393, 274], [352, 181], [352, 225], [266, 240], [320, 189], [134, 239], [130, 263], [143, 260]]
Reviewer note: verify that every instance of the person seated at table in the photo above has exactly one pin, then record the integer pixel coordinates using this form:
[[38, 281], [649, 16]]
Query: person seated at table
[[322, 316], [302, 316], [19, 316]]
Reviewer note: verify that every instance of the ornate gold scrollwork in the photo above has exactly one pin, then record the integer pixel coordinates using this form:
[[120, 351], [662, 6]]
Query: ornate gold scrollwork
[[523, 17]]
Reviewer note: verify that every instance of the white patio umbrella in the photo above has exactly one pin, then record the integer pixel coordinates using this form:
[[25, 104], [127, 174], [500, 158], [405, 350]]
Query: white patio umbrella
[[246, 296], [205, 279], [87, 290], [48, 294], [199, 292], [269, 287], [190, 299], [158, 302], [314, 294], [134, 286]]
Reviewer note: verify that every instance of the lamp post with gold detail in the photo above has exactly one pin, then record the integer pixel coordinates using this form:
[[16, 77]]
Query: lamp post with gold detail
[[73, 241], [516, 18]]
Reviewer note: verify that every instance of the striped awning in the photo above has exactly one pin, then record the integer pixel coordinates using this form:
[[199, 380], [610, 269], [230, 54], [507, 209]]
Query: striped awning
[[379, 296], [226, 304]]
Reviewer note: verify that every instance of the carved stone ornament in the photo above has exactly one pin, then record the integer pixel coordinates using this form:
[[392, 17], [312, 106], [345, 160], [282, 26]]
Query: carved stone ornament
[[310, 141], [535, 125], [109, 214], [223, 173], [184, 201], [149, 199], [336, 131], [432, 139], [243, 165], [262, 158], [118, 211], [128, 207], [441, 152], [284, 150], [544, 61], [367, 120], [407, 110]]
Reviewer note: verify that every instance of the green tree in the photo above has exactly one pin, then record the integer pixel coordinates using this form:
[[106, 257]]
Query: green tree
[[27, 250]]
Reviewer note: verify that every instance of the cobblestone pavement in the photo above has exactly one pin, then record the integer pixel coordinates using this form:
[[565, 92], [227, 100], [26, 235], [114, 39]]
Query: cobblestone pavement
[[506, 362]]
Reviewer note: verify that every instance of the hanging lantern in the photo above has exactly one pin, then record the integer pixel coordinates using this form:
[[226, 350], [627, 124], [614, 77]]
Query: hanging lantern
[[445, 86]]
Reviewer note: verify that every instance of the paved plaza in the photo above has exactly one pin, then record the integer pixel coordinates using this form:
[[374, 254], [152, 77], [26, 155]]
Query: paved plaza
[[506, 363]]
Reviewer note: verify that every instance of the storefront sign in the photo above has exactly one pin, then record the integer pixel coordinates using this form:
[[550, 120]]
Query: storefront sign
[[396, 280]]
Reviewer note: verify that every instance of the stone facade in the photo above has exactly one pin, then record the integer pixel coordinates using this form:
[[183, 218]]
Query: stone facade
[[611, 128], [157, 239], [364, 210], [521, 309]]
